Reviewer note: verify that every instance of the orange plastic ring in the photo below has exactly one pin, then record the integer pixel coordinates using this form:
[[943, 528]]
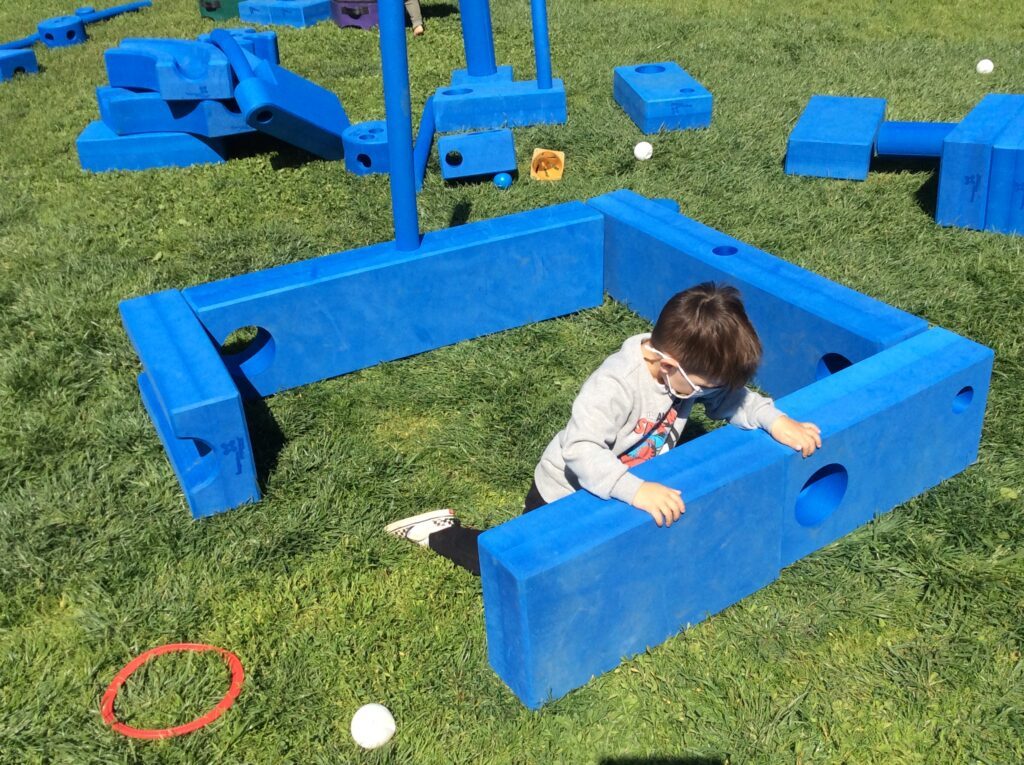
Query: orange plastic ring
[[110, 696]]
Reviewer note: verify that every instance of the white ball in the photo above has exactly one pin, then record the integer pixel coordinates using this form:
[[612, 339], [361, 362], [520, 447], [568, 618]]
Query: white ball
[[985, 66], [643, 151], [372, 726]]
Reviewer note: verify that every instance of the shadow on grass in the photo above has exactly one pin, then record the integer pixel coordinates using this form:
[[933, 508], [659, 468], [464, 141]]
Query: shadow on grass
[[460, 214], [267, 438], [667, 760], [927, 196], [438, 10]]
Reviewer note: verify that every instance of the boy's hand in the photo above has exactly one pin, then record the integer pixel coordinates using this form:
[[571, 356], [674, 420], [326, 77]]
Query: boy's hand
[[662, 503], [805, 437]]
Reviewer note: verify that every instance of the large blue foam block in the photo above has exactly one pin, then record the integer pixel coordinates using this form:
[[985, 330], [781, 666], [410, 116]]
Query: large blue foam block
[[176, 69], [293, 13], [474, 105], [662, 96], [15, 62], [835, 137], [1005, 210], [477, 155], [193, 402], [128, 112], [100, 149], [339, 313], [572, 588], [810, 327]]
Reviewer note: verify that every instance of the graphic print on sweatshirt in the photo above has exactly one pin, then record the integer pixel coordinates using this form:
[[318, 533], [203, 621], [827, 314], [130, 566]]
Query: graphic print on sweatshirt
[[657, 437]]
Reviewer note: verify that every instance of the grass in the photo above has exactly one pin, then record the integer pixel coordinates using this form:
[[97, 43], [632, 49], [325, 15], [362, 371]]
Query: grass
[[899, 644]]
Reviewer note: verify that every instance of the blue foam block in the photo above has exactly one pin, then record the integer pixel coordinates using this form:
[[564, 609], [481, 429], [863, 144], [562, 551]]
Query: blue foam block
[[495, 104], [662, 96], [343, 312], [128, 112], [100, 149], [260, 44], [965, 172], [810, 327], [477, 155], [183, 70], [15, 62], [572, 588], [293, 13], [193, 402], [835, 137], [1005, 211], [366, 148]]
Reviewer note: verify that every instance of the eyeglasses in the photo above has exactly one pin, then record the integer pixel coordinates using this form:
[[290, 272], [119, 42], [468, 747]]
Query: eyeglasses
[[666, 359]]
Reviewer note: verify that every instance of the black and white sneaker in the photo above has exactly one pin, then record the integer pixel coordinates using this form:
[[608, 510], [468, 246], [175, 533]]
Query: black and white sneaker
[[417, 528]]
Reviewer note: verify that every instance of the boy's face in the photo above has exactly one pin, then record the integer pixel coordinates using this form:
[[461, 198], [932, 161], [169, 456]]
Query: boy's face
[[670, 372]]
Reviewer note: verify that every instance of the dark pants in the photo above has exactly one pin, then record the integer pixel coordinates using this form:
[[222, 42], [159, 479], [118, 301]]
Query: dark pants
[[458, 543]]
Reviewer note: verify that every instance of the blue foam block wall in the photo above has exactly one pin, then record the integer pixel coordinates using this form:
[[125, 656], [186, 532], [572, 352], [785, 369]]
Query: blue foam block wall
[[1005, 211], [835, 137], [662, 96], [127, 112], [476, 155], [101, 150], [494, 104], [809, 326]]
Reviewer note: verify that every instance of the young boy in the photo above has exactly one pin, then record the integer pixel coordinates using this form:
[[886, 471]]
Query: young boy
[[634, 407]]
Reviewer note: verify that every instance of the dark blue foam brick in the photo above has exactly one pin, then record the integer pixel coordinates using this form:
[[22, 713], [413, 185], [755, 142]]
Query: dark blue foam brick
[[183, 70], [965, 172], [662, 96], [260, 44], [495, 104], [15, 62], [810, 327], [293, 13], [835, 137], [193, 402], [100, 149], [339, 313], [1005, 213], [477, 155], [128, 112], [366, 148], [933, 387]]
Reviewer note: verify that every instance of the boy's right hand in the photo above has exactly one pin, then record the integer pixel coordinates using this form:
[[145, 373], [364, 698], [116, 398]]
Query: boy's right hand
[[664, 504]]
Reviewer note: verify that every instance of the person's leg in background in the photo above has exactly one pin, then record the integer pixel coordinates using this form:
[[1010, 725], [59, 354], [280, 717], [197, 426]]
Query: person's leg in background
[[412, 7]]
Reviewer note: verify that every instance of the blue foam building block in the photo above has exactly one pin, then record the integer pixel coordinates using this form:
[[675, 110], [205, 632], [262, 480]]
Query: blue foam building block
[[965, 171], [129, 112], [1005, 211], [343, 312], [15, 62], [193, 402], [809, 326], [260, 44], [183, 70], [575, 586], [477, 155], [662, 96], [474, 105], [293, 13], [366, 148], [100, 149], [835, 137]]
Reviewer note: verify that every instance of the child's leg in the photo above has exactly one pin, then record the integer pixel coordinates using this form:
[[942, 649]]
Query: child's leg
[[412, 7]]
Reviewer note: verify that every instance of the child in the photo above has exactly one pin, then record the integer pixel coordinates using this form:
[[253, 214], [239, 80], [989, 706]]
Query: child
[[412, 7], [634, 407]]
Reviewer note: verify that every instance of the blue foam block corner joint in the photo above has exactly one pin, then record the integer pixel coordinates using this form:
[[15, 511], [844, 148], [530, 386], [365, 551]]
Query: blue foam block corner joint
[[477, 155], [662, 96], [101, 150], [835, 137], [366, 147]]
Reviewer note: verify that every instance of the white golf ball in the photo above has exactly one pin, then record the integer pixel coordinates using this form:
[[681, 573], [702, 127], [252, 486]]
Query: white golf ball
[[985, 66], [643, 151], [372, 726]]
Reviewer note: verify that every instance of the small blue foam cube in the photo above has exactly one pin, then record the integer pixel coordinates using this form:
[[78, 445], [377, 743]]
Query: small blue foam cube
[[662, 96]]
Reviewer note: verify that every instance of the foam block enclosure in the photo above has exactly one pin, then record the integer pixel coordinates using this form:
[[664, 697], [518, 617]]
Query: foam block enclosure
[[810, 327], [662, 96], [100, 150], [293, 13], [193, 402], [835, 137], [494, 104], [15, 62], [366, 148], [184, 70], [477, 155], [129, 112]]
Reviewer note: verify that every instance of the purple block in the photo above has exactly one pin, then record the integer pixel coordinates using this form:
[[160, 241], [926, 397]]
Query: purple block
[[349, 13]]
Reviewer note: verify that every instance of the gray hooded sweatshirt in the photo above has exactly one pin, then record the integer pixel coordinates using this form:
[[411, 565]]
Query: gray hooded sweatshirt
[[622, 417]]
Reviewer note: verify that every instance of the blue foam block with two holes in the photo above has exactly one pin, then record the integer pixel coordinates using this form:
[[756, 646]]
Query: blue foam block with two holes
[[129, 112], [179, 70], [15, 62], [572, 588], [292, 13], [810, 326], [366, 147], [472, 105], [339, 313], [835, 137], [477, 155], [193, 402], [100, 150], [662, 96]]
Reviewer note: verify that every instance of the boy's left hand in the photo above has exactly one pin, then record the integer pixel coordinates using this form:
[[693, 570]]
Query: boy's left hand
[[804, 437]]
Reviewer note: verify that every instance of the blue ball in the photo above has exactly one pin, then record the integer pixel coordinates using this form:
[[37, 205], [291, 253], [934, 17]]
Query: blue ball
[[503, 180]]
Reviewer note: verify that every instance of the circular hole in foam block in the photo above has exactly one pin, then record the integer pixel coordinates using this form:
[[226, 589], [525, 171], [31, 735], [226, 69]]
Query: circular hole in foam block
[[829, 364], [725, 249], [264, 116], [364, 160], [963, 399], [650, 69], [457, 91], [453, 158], [821, 495]]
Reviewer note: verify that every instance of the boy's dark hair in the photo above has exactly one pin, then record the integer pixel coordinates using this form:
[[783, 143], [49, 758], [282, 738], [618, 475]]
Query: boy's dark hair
[[706, 329]]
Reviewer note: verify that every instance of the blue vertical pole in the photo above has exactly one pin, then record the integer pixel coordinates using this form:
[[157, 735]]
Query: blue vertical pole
[[398, 113], [478, 37], [541, 43]]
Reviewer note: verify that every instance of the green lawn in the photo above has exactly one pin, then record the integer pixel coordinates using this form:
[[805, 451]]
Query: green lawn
[[899, 644]]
